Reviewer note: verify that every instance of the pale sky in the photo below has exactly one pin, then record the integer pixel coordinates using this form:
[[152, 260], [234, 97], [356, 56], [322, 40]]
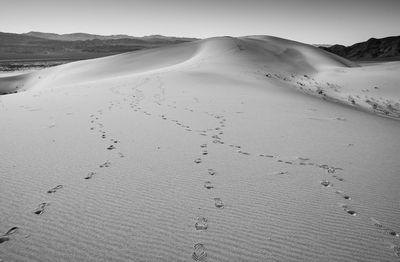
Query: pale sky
[[310, 21]]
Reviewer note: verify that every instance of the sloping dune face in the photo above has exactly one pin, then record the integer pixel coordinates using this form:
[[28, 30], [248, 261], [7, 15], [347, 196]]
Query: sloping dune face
[[284, 55], [102, 68], [291, 56], [226, 149]]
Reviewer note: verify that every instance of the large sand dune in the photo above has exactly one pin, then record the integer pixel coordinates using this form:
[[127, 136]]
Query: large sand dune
[[225, 149]]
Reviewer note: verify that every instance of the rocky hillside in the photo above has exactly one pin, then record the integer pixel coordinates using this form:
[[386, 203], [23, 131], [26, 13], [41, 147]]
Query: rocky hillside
[[387, 48]]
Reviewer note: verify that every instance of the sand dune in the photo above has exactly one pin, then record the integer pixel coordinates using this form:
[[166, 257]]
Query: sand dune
[[225, 149], [259, 51]]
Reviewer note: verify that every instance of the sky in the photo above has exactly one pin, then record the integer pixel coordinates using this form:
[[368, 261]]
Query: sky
[[309, 21]]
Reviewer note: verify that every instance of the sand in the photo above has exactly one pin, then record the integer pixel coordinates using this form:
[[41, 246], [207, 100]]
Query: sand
[[224, 149]]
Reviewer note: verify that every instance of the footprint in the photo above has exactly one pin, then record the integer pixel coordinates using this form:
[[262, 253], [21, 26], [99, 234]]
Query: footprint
[[338, 178], [385, 229], [40, 209], [281, 173], [208, 185], [54, 189], [197, 160], [392, 233], [269, 156], [348, 210], [199, 253], [90, 175], [106, 164], [331, 170], [218, 202], [5, 237], [341, 193], [205, 152], [201, 223], [243, 153], [111, 147], [211, 171], [11, 231], [303, 158], [376, 222], [326, 183]]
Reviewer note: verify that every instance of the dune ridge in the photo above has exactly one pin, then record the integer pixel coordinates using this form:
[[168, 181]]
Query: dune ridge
[[289, 62], [280, 53]]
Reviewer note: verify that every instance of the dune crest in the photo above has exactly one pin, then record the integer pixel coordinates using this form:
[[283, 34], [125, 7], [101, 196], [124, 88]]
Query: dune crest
[[271, 51], [290, 63]]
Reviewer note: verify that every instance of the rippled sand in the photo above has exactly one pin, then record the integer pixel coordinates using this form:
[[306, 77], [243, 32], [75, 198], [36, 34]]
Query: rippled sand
[[225, 149]]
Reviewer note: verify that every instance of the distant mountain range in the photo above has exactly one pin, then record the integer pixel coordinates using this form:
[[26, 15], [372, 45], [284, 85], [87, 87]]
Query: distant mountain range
[[49, 46], [383, 49], [322, 45], [84, 37]]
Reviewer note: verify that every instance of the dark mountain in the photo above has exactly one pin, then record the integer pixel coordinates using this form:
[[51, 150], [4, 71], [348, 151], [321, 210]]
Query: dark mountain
[[384, 49], [53, 47]]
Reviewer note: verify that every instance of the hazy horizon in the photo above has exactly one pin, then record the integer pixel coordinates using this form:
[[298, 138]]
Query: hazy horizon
[[309, 21]]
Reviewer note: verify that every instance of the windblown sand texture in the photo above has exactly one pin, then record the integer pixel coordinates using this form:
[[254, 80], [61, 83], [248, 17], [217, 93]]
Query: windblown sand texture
[[225, 149]]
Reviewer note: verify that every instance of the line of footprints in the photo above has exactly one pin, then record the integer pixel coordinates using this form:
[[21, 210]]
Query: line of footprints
[[388, 232], [216, 135], [42, 207], [201, 224], [199, 252], [95, 121]]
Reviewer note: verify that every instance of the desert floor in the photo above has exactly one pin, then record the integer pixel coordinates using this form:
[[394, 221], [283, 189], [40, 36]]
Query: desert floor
[[225, 149]]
